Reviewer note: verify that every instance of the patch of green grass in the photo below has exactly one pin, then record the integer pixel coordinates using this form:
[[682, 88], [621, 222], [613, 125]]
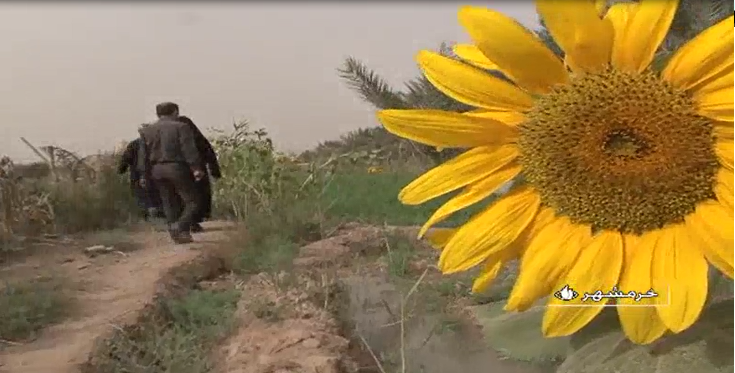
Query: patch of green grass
[[176, 337], [269, 242], [269, 254], [204, 313], [27, 307], [451, 287], [399, 254], [373, 199]]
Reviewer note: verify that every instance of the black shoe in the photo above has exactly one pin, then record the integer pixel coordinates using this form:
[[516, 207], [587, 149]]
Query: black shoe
[[196, 228], [180, 237]]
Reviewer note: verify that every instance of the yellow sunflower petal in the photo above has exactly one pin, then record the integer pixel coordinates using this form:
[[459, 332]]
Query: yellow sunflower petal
[[438, 237], [446, 129], [723, 130], [487, 275], [472, 194], [548, 257], [518, 52], [620, 15], [577, 28], [679, 269], [544, 217], [712, 223], [645, 31], [600, 6], [641, 324], [724, 196], [597, 268], [724, 188], [715, 83], [492, 267], [467, 168], [724, 150], [518, 247], [703, 58], [717, 105], [470, 85], [473, 55], [490, 231], [497, 261], [510, 118]]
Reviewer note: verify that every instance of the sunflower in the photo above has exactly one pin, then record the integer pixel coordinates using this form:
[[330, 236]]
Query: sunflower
[[624, 174]]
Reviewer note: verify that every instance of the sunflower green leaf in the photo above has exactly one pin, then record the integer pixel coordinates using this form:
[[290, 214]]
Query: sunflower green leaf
[[518, 335], [706, 347]]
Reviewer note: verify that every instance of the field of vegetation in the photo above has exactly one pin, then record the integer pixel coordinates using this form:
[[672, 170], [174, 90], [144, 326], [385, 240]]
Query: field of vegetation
[[320, 260], [283, 204]]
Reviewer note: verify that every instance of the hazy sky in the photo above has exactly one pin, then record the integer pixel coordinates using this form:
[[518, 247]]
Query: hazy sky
[[83, 76]]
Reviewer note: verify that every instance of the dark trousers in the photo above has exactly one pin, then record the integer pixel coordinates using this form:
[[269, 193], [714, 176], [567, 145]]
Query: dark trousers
[[147, 198], [204, 189], [178, 194], [204, 193]]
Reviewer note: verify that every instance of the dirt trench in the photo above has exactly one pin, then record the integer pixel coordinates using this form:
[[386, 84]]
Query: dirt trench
[[335, 313], [111, 291]]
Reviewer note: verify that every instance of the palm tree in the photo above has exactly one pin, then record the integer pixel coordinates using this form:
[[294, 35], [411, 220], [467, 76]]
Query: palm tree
[[419, 93], [691, 18], [545, 36]]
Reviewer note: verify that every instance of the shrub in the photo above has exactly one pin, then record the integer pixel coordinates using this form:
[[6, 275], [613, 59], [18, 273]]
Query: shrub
[[64, 201]]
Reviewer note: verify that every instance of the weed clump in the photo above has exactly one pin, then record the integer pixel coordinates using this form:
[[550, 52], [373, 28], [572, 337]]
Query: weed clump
[[27, 307], [175, 336], [62, 197]]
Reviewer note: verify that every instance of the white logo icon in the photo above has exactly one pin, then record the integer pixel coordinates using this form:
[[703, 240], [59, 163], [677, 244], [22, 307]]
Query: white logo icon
[[566, 294]]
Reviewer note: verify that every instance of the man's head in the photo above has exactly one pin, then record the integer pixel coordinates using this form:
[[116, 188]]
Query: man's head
[[167, 109]]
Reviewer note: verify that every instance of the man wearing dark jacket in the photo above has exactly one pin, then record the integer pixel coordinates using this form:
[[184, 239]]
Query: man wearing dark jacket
[[146, 195], [169, 157], [204, 186]]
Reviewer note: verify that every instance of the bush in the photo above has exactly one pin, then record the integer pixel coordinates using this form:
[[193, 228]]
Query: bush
[[177, 335], [258, 181], [318, 189], [63, 202], [103, 204]]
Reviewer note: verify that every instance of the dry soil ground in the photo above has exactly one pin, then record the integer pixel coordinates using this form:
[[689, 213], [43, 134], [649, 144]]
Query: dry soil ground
[[110, 290], [338, 310]]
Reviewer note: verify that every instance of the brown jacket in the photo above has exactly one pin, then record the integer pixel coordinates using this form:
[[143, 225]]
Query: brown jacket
[[168, 141]]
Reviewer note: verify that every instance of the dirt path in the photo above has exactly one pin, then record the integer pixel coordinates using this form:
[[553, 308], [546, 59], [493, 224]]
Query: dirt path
[[113, 290]]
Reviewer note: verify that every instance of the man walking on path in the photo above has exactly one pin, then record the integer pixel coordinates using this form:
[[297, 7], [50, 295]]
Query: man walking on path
[[169, 157], [146, 196], [204, 186]]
